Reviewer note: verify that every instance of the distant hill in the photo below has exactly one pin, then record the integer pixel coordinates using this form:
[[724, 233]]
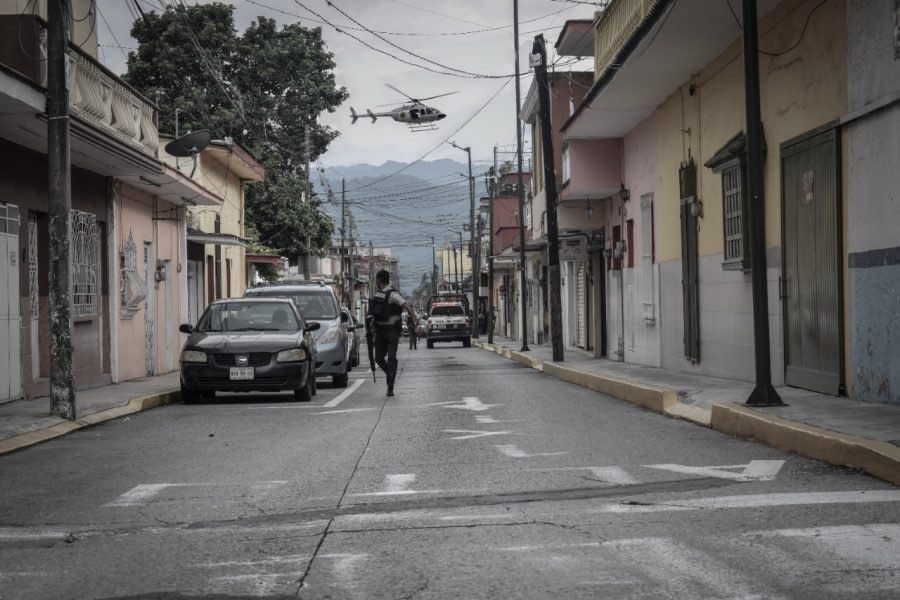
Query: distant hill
[[403, 210]]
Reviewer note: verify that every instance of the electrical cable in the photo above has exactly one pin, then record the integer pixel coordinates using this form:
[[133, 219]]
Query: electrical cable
[[799, 39]]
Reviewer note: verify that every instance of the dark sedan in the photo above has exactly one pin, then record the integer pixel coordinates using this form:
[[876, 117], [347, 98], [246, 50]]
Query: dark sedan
[[249, 344]]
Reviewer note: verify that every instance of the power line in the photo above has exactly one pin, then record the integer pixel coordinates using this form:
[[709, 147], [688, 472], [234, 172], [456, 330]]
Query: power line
[[799, 39]]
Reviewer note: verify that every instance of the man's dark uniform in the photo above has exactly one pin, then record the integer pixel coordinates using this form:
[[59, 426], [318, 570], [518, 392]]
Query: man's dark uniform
[[385, 314]]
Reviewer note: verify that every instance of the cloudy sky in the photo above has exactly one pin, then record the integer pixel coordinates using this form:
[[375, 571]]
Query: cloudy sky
[[424, 25]]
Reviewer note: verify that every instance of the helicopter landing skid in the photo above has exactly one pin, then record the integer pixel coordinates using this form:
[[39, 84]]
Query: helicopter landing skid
[[424, 127]]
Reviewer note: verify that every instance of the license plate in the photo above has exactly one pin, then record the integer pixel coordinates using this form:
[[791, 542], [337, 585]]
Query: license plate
[[240, 373]]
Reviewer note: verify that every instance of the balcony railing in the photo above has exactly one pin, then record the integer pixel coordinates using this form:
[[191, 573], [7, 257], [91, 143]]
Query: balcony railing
[[617, 23], [99, 97]]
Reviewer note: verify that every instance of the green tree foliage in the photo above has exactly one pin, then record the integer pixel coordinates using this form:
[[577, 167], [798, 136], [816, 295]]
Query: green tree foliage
[[264, 88]]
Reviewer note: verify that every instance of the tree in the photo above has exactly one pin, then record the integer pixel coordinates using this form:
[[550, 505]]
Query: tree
[[264, 88]]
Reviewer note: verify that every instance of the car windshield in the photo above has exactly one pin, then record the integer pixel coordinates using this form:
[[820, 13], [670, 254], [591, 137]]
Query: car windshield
[[448, 311], [248, 316], [317, 306]]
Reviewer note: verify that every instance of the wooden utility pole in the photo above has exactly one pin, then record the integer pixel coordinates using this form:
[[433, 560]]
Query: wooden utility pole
[[343, 233], [495, 184], [306, 150], [540, 74], [62, 377]]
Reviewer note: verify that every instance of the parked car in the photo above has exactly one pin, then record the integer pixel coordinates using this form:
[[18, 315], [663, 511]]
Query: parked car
[[318, 304], [353, 327], [448, 321], [244, 345]]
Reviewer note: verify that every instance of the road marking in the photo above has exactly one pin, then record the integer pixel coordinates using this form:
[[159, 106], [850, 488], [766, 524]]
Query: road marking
[[345, 394], [398, 482], [28, 534], [513, 451], [488, 419], [468, 403], [468, 434], [755, 470], [756, 501], [613, 475], [343, 411], [140, 494]]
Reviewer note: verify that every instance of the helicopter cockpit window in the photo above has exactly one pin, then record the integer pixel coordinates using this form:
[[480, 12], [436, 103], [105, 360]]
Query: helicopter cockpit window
[[414, 114]]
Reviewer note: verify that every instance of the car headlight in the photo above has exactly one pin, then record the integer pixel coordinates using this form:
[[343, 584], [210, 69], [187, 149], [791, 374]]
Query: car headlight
[[193, 356], [331, 336], [292, 355]]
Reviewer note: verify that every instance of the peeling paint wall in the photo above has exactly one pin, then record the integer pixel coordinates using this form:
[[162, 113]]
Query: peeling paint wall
[[873, 204]]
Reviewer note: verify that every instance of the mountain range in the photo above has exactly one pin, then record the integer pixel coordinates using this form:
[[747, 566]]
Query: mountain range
[[401, 206]]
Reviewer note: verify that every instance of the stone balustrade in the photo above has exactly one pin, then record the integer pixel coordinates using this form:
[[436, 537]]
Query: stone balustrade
[[619, 21]]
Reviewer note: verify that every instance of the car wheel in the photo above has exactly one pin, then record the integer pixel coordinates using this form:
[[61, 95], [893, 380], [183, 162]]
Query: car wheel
[[467, 343], [312, 377], [340, 381], [430, 345], [189, 396], [304, 394]]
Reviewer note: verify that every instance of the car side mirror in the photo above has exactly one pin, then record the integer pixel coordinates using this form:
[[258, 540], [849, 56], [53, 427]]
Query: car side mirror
[[344, 317], [186, 328], [360, 326], [312, 327]]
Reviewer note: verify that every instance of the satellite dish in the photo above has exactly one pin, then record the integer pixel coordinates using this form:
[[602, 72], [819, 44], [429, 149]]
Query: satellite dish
[[190, 144]]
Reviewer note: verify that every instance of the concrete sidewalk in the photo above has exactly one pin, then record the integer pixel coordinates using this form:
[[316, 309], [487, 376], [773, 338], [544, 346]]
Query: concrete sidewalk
[[836, 430], [24, 423]]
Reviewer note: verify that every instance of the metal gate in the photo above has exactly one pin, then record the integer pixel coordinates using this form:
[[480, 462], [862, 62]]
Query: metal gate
[[10, 318], [149, 310], [811, 287], [580, 307], [690, 277]]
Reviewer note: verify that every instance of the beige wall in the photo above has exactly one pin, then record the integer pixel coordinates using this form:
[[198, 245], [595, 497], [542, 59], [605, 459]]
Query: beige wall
[[84, 23], [800, 91]]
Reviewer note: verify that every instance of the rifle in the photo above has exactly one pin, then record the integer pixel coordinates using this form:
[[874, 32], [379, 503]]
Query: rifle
[[370, 344]]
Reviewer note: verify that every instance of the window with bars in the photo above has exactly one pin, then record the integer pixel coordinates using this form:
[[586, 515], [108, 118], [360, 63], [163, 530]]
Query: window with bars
[[85, 264], [33, 289], [734, 219]]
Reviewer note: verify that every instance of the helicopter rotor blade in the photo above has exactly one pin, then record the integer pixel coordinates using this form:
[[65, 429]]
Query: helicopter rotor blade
[[399, 91], [438, 96]]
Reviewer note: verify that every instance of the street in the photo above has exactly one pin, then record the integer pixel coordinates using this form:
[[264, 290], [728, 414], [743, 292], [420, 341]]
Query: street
[[480, 479]]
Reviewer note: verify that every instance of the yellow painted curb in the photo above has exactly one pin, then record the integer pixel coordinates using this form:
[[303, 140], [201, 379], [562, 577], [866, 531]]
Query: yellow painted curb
[[525, 359], [653, 398], [880, 459], [134, 405]]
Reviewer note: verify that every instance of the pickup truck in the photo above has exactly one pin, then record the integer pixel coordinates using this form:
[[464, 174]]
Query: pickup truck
[[448, 322]]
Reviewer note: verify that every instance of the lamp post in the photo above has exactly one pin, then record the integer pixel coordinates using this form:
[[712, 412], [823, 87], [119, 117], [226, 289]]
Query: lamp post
[[468, 151], [433, 269]]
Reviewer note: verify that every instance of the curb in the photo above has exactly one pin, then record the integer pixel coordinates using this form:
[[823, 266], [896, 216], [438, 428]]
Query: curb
[[134, 405], [879, 459]]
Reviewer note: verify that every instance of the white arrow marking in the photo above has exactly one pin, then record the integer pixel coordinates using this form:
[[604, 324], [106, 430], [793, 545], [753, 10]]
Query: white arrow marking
[[468, 434], [755, 470], [468, 403], [343, 411], [140, 494], [613, 475], [513, 451], [488, 419], [345, 394]]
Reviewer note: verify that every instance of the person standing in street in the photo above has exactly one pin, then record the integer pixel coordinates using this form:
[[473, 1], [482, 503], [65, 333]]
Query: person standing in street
[[385, 320], [412, 338]]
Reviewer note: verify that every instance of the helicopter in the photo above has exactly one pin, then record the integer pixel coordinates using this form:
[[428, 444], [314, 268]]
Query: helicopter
[[415, 114]]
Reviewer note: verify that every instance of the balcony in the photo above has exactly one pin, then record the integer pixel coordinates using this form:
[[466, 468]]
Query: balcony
[[592, 169], [114, 128], [614, 27]]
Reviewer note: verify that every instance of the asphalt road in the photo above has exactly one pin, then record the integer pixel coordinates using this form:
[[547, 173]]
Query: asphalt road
[[480, 479]]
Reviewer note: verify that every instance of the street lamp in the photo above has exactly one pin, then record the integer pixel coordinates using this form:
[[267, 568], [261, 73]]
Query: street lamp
[[468, 151]]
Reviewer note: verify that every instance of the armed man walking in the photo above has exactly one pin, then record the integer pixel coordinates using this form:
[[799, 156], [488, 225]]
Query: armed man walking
[[384, 321]]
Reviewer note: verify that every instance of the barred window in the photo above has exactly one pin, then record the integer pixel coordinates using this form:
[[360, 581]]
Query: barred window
[[33, 289], [85, 264], [731, 197]]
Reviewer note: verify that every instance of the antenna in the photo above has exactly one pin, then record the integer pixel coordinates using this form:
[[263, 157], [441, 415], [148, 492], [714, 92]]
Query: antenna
[[190, 145]]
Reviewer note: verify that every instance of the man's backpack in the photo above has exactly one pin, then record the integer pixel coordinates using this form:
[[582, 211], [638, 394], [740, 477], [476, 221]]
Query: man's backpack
[[379, 305]]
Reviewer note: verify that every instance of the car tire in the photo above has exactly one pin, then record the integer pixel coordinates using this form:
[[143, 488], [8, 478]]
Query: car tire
[[312, 376], [190, 396], [467, 343], [304, 394], [340, 381], [430, 344]]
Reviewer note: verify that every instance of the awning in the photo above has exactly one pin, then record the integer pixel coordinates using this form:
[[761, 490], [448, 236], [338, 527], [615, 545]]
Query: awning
[[264, 259], [175, 188], [218, 239]]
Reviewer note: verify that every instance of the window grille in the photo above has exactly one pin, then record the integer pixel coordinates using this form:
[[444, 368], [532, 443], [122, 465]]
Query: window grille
[[33, 285], [85, 264], [733, 211]]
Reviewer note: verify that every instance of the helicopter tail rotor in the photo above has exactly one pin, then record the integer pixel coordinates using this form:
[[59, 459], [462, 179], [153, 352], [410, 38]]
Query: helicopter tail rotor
[[353, 115]]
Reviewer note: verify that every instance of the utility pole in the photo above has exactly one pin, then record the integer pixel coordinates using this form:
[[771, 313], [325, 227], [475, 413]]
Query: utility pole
[[522, 276], [62, 379], [343, 233], [371, 268], [495, 184], [306, 257], [539, 55], [763, 394], [468, 151], [433, 269]]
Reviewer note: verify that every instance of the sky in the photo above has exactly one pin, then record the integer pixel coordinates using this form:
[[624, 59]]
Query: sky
[[425, 25]]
